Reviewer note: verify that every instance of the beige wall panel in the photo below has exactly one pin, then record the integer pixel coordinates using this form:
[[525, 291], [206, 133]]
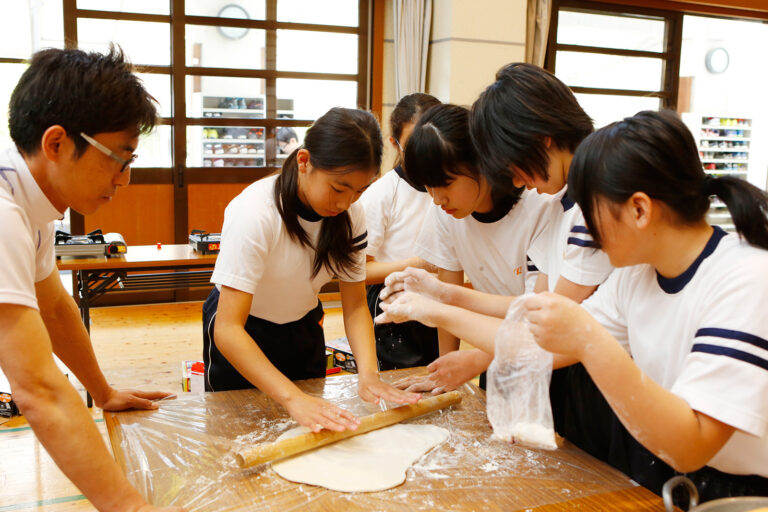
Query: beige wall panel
[[474, 66], [388, 78], [439, 71], [442, 22], [489, 20], [388, 20]]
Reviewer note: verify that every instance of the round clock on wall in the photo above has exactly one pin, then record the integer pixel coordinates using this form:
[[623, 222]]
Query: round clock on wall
[[717, 60], [233, 11]]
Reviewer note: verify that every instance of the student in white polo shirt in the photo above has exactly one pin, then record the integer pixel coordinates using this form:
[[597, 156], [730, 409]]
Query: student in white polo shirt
[[75, 119], [677, 338], [525, 127], [283, 238], [472, 229], [394, 213]]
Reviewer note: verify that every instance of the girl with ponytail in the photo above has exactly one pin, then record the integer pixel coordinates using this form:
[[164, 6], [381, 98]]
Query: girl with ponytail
[[676, 339], [283, 238]]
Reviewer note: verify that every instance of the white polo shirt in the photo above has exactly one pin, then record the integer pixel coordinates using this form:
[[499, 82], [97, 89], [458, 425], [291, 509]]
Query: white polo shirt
[[704, 336], [27, 232], [492, 252], [567, 249], [394, 214], [259, 257]]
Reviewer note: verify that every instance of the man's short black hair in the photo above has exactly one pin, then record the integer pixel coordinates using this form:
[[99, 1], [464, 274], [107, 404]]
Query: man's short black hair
[[82, 92], [512, 117]]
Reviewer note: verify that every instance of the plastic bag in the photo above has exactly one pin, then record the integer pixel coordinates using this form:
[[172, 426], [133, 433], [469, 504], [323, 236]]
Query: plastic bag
[[518, 384]]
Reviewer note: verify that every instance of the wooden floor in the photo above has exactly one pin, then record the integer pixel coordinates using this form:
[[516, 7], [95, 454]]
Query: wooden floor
[[137, 346]]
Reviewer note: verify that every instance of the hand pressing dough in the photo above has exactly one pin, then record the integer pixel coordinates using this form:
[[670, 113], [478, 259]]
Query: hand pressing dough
[[373, 461]]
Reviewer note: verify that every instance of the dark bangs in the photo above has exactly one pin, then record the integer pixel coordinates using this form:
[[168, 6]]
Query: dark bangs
[[440, 147]]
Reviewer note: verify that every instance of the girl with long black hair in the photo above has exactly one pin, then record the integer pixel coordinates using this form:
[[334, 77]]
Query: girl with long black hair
[[676, 339], [283, 238]]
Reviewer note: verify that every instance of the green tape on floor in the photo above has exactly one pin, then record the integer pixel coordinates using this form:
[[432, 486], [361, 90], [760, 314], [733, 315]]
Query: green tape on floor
[[40, 503], [18, 429]]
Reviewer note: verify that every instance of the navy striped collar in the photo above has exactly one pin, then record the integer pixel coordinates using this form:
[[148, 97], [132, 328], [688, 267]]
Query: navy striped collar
[[401, 173], [676, 284], [567, 202], [307, 213]]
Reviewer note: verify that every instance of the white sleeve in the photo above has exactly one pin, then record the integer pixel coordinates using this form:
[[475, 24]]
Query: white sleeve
[[583, 263], [435, 242], [359, 244], [17, 273], [377, 203], [606, 307], [46, 256], [726, 373], [247, 235]]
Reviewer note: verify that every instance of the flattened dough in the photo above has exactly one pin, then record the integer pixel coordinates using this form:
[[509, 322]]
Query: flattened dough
[[373, 461]]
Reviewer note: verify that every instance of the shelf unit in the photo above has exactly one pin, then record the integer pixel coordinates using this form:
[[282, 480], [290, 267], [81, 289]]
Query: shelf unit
[[724, 147], [224, 146]]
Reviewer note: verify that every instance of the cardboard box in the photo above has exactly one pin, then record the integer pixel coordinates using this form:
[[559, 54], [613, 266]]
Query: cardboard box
[[186, 375], [342, 354]]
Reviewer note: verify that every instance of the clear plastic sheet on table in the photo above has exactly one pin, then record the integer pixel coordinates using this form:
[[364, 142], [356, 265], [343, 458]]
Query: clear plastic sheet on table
[[181, 454]]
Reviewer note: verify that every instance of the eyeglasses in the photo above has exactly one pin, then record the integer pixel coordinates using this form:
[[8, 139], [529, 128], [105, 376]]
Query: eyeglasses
[[111, 154], [399, 146]]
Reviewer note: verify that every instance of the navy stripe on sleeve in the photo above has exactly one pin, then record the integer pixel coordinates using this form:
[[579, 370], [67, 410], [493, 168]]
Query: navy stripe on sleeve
[[361, 246], [572, 240], [731, 352], [580, 229], [729, 334], [360, 238]]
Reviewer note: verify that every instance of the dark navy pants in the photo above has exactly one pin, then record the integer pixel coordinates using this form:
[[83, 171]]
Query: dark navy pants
[[296, 348]]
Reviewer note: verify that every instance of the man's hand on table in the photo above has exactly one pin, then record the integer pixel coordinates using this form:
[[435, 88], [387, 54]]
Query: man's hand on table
[[122, 399]]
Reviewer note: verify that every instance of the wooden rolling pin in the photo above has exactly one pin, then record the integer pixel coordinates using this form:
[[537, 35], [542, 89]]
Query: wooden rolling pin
[[280, 449]]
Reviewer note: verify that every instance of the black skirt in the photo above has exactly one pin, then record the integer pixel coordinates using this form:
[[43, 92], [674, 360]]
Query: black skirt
[[585, 418], [401, 345], [296, 348]]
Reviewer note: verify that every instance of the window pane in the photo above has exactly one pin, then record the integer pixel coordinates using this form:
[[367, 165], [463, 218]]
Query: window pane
[[155, 149], [27, 28], [253, 9], [225, 146], [605, 109], [132, 36], [609, 71], [624, 32], [319, 52], [11, 74], [313, 98], [327, 12], [142, 6], [213, 96], [209, 47], [159, 86]]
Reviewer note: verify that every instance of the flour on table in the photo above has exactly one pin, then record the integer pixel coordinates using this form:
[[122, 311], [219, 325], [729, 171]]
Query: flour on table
[[373, 461]]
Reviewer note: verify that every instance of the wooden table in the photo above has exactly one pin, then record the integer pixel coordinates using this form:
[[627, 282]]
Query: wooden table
[[141, 268], [180, 455]]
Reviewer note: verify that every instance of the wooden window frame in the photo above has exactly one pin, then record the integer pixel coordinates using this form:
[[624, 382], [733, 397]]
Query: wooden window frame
[[179, 174], [673, 39]]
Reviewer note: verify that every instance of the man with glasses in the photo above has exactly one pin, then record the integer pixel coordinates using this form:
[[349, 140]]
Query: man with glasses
[[75, 119]]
